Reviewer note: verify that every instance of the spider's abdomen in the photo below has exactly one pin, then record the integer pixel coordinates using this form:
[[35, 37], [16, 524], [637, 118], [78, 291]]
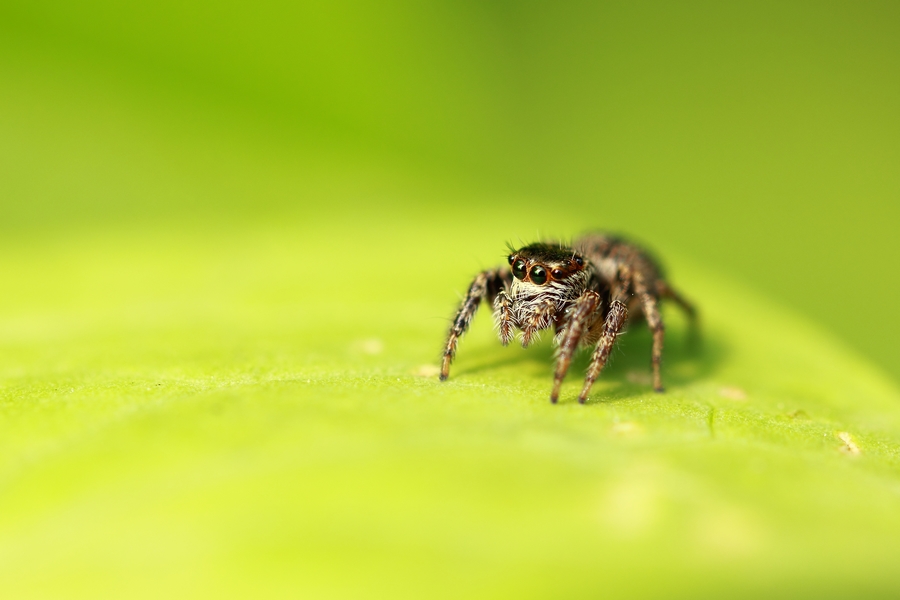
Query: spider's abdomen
[[611, 255]]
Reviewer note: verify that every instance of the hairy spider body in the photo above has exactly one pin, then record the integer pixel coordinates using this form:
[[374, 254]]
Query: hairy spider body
[[585, 292]]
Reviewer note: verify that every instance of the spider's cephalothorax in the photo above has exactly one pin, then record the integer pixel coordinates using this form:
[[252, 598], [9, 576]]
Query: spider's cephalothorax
[[547, 279], [584, 292]]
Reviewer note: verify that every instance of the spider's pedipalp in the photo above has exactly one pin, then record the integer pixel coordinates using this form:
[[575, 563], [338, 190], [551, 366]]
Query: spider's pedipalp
[[539, 317]]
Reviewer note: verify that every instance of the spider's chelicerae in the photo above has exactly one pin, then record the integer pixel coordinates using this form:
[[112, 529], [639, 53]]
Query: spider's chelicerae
[[585, 291]]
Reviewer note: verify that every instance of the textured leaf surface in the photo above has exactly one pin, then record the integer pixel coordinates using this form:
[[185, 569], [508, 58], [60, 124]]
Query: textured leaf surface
[[195, 414]]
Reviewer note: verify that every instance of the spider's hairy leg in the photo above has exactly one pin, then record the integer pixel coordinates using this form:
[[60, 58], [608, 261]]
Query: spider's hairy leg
[[613, 324], [650, 306], [664, 290], [583, 310], [539, 319], [503, 316], [486, 285]]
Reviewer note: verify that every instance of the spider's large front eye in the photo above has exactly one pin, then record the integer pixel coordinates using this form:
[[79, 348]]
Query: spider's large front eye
[[538, 274], [518, 269]]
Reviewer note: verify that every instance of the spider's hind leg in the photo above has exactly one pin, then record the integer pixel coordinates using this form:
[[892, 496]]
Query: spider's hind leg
[[667, 292], [650, 306]]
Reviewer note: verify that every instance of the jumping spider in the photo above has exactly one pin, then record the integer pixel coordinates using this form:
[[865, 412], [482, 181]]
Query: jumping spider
[[585, 292]]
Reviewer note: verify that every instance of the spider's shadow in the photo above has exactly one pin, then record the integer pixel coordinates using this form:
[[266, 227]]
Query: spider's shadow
[[688, 356]]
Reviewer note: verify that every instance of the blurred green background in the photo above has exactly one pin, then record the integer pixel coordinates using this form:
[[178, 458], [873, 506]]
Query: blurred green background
[[230, 236], [759, 138]]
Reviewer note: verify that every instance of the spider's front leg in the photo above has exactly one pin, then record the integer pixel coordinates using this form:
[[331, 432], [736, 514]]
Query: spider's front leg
[[580, 319], [503, 317], [613, 324], [486, 285]]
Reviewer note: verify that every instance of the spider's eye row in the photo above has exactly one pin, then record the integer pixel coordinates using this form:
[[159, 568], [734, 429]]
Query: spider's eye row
[[518, 269], [538, 274], [557, 273]]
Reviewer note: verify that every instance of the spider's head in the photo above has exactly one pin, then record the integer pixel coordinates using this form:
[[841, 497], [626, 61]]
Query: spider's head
[[540, 264], [548, 278]]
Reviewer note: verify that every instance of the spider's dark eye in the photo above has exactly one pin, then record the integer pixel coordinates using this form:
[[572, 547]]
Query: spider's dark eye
[[511, 258], [539, 274], [579, 261], [518, 269], [557, 273]]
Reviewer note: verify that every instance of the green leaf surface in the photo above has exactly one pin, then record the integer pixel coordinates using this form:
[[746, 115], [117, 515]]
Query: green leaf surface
[[256, 411], [232, 237]]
